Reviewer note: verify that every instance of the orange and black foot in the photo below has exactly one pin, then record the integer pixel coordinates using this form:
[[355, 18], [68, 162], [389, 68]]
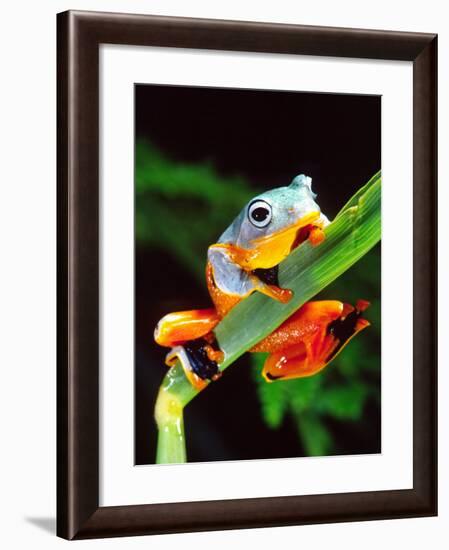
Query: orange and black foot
[[189, 335], [316, 236], [270, 279], [312, 233], [306, 342], [200, 360]]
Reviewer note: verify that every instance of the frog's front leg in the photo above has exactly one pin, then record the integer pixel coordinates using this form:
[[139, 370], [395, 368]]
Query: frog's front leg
[[314, 233], [233, 280], [316, 236], [189, 334], [308, 341]]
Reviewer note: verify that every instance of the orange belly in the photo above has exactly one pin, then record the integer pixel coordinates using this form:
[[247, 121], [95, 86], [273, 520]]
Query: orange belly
[[222, 302]]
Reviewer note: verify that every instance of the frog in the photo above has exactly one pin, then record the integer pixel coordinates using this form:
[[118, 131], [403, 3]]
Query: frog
[[244, 260]]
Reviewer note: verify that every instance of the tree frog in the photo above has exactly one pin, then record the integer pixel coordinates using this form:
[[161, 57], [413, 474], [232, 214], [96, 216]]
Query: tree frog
[[244, 260]]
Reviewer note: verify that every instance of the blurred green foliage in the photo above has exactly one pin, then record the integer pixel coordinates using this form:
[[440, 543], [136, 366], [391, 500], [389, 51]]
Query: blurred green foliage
[[183, 208]]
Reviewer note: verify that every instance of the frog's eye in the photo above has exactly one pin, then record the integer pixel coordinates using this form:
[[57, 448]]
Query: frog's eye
[[259, 213]]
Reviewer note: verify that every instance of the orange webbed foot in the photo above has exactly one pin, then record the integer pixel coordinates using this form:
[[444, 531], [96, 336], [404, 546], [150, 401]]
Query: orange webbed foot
[[308, 341], [213, 354], [200, 360], [266, 282], [283, 295], [316, 236], [178, 353], [189, 334]]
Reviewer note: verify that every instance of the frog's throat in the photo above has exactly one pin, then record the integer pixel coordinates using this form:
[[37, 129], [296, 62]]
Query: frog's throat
[[270, 250]]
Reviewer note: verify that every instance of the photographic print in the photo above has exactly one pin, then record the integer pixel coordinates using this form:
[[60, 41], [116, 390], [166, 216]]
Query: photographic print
[[257, 274]]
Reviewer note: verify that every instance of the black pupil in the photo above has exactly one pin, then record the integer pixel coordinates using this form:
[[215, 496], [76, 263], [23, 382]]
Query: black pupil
[[259, 214]]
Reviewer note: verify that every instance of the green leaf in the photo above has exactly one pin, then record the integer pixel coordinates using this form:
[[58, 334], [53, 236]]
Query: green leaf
[[359, 195]]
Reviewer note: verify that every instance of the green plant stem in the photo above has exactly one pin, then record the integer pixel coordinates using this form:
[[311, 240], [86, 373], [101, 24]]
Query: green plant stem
[[170, 422], [306, 271]]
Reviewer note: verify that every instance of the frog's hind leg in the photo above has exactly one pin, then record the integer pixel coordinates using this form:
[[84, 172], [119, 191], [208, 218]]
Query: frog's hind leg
[[189, 334], [306, 342]]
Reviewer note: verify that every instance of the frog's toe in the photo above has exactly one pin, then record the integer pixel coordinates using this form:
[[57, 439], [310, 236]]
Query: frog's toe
[[345, 327], [268, 284]]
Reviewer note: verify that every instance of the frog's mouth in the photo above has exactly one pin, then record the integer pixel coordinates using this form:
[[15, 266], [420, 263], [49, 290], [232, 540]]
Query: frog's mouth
[[270, 275], [269, 251]]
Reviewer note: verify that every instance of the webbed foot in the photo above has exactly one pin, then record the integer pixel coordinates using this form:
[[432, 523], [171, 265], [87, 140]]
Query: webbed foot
[[270, 287], [200, 360], [311, 338]]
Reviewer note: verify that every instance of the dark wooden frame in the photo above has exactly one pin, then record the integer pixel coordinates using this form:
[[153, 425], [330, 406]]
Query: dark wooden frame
[[79, 37]]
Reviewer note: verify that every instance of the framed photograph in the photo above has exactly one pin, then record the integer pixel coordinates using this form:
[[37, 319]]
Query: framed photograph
[[254, 196]]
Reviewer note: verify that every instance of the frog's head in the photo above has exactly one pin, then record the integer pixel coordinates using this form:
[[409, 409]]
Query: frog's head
[[270, 225]]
